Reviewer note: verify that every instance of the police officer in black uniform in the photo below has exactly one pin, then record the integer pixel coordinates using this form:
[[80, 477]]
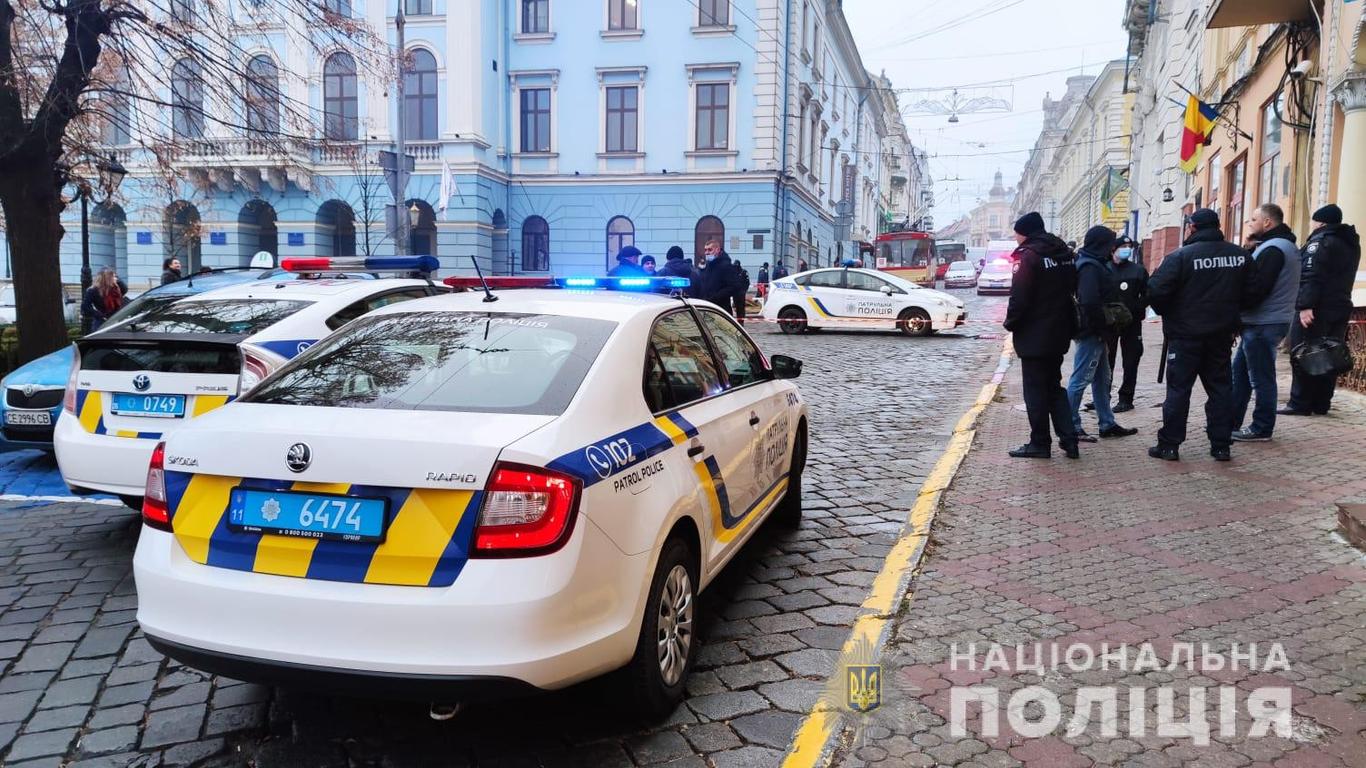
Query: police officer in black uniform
[[1331, 258], [1042, 319], [1199, 290]]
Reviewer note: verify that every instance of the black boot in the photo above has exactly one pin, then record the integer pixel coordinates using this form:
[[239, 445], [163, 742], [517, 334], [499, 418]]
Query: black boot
[[1165, 452], [1031, 451], [1071, 449], [1124, 405], [1118, 431], [1221, 454]]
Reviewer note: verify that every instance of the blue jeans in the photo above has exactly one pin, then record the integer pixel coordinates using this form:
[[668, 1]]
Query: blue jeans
[[1091, 366], [1254, 369]]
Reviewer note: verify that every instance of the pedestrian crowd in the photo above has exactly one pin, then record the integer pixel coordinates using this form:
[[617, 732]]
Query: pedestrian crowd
[[719, 278], [1212, 295]]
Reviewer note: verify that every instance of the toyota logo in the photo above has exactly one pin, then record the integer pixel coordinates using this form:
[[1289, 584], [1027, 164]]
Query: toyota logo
[[141, 382], [299, 457]]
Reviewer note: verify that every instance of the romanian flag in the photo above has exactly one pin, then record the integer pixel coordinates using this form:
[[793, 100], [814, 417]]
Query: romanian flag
[[1200, 119]]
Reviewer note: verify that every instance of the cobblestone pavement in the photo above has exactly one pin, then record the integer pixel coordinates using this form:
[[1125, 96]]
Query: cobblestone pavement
[[79, 686], [1119, 548]]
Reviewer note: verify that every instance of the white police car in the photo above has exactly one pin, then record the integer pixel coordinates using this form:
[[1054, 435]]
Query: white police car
[[455, 493], [133, 382], [843, 297]]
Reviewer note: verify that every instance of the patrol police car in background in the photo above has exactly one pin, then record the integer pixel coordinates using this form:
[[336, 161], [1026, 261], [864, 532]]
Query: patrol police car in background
[[562, 472], [133, 382], [859, 298]]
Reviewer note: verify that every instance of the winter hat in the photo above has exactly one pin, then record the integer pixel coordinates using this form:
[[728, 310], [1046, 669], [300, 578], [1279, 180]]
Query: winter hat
[[1099, 240], [674, 253], [1328, 214], [1030, 224], [629, 252], [1205, 218]]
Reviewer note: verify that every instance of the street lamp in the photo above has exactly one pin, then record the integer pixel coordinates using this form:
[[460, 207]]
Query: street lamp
[[414, 214], [111, 176]]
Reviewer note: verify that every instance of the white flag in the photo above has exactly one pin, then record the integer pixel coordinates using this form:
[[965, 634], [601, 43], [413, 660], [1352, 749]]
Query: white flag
[[447, 186]]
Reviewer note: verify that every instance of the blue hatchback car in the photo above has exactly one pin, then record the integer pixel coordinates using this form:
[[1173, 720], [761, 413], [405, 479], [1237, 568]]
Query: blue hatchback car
[[34, 391]]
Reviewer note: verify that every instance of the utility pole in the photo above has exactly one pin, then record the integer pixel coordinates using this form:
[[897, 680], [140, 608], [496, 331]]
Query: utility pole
[[401, 237]]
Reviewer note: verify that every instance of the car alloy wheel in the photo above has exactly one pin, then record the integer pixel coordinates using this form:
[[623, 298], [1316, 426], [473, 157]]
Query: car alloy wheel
[[914, 322], [792, 320], [674, 631]]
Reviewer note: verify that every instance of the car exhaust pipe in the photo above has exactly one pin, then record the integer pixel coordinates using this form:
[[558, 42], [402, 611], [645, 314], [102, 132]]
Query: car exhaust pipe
[[443, 710]]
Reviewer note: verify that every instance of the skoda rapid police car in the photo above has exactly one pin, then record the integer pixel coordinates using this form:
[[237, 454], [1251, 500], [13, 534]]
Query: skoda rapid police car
[[859, 298], [454, 493], [133, 382]]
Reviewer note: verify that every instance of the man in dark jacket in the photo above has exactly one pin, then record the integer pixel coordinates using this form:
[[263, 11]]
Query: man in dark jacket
[[720, 279], [675, 265], [1331, 258], [1199, 290], [761, 281], [741, 292], [1131, 280], [780, 271], [628, 263], [1265, 325], [1042, 321], [1090, 364]]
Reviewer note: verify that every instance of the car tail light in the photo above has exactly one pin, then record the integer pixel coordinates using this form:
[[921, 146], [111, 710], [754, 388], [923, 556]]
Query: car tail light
[[254, 369], [526, 511], [155, 511], [69, 399]]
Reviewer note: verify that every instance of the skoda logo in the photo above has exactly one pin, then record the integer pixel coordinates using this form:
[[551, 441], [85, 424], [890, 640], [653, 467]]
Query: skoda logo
[[299, 457], [141, 382], [29, 389]]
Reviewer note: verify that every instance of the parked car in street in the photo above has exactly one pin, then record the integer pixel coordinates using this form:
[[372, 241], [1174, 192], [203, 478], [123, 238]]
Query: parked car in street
[[961, 274], [71, 308], [33, 392], [451, 496], [860, 299], [996, 277]]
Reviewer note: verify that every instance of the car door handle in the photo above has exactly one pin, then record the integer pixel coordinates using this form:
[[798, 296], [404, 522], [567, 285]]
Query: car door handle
[[754, 419], [697, 449]]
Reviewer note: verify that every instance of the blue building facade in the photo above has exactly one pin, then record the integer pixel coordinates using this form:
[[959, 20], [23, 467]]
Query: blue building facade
[[569, 128]]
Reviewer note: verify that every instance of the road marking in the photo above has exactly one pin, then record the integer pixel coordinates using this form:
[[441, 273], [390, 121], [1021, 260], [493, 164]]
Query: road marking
[[813, 743], [73, 499]]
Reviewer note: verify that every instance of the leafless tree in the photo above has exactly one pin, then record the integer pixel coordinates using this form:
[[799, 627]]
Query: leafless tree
[[163, 79]]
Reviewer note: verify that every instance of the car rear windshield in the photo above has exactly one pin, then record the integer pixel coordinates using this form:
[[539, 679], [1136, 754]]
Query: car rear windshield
[[241, 317], [444, 361], [162, 357]]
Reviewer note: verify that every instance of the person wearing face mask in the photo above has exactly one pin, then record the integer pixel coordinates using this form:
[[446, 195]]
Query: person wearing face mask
[[1131, 281], [721, 281]]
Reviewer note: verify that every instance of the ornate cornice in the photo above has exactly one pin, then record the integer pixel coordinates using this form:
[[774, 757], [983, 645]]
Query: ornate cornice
[[1350, 92]]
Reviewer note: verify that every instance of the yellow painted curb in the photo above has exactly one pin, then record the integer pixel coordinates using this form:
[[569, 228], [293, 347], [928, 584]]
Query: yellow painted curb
[[813, 743]]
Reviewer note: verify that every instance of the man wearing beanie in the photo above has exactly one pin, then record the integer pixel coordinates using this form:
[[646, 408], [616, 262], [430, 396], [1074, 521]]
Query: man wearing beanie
[[1331, 258], [676, 265], [1090, 364], [1042, 321], [1199, 290]]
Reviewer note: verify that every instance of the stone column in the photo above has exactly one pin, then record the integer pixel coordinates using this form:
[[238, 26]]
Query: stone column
[[1351, 170]]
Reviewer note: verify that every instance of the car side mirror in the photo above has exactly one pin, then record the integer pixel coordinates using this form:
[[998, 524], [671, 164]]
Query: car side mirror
[[886, 290], [785, 367]]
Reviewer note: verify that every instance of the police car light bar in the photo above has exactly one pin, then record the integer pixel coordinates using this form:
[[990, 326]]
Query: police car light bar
[[425, 264], [618, 283]]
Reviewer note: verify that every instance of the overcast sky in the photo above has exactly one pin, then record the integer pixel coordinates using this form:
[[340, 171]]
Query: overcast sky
[[931, 44]]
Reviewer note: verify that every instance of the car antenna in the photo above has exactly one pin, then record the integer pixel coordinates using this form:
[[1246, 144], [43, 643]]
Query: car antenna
[[488, 294]]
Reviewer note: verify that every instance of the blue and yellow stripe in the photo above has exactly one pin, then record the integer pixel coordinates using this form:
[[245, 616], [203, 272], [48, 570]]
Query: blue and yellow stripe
[[90, 413], [427, 540]]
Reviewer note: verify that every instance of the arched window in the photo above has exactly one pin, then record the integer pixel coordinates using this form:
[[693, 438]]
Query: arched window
[[118, 111], [187, 100], [340, 104], [183, 234], [708, 228], [419, 96], [422, 235], [535, 245], [620, 233], [262, 95], [337, 223]]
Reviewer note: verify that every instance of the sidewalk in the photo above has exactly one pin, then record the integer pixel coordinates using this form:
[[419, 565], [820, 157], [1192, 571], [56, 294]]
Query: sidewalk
[[1119, 549]]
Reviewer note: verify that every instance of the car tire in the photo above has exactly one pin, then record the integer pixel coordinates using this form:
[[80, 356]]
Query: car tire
[[792, 320], [132, 502], [789, 511], [656, 685], [915, 322]]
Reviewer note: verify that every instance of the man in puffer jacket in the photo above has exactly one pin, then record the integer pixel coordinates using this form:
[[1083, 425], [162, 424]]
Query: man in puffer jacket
[[1331, 259], [1041, 318], [1091, 360]]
